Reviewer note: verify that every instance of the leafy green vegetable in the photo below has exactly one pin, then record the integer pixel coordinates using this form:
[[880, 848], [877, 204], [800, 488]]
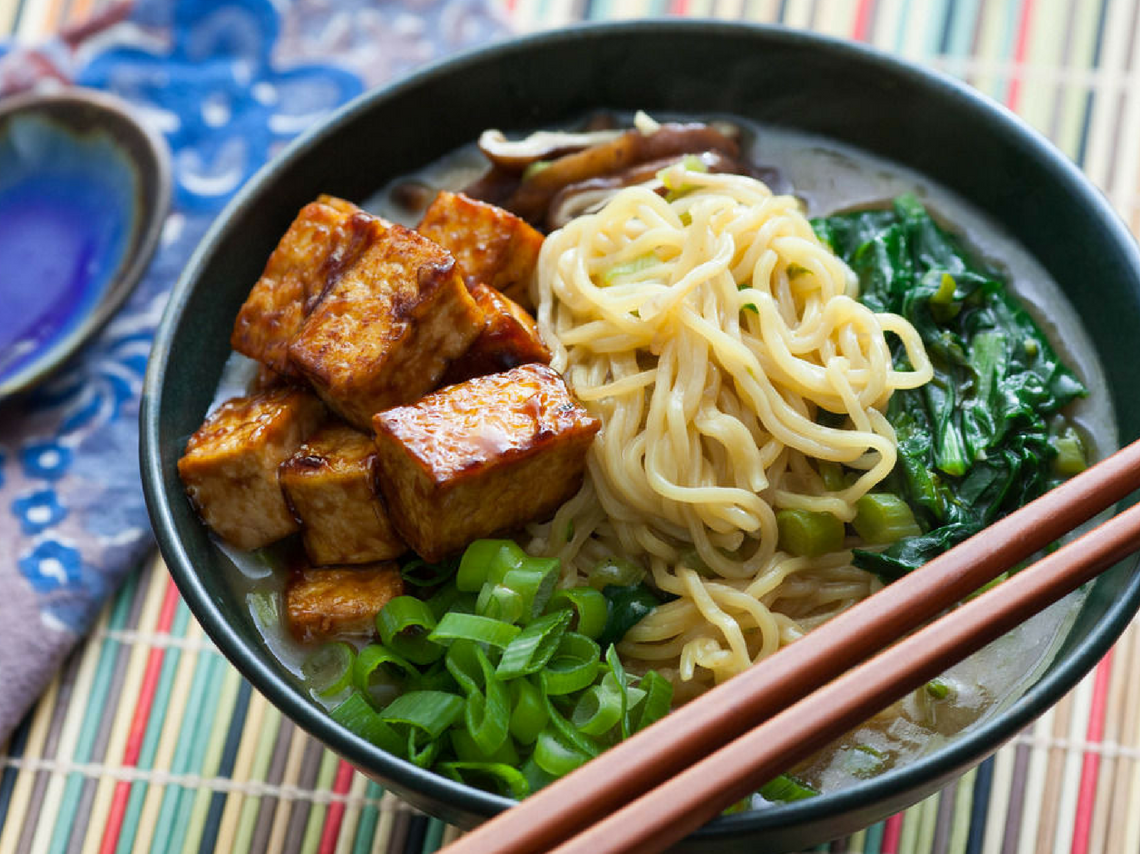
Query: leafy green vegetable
[[974, 443], [625, 607]]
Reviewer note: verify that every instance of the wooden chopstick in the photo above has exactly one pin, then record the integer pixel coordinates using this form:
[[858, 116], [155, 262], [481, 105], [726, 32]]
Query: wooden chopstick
[[690, 737], [683, 803]]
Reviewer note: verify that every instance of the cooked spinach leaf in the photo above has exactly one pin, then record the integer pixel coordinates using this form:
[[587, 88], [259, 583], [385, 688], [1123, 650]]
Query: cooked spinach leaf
[[974, 442]]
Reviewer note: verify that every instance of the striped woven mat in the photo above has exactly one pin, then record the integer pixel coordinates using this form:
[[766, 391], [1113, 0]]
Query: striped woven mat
[[148, 740]]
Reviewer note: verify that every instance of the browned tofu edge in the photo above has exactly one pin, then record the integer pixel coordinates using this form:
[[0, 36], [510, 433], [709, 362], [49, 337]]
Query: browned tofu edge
[[337, 602]]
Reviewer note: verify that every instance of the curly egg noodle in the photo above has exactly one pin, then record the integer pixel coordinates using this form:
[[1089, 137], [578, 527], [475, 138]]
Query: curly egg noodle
[[707, 331]]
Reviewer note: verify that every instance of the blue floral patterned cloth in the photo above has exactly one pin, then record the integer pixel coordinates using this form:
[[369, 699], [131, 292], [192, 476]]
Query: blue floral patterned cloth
[[227, 82]]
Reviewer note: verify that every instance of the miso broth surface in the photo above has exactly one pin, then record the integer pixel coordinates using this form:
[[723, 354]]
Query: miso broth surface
[[828, 178]]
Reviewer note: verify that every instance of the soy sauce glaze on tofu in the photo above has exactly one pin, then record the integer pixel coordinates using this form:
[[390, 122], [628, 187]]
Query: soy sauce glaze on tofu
[[473, 459], [369, 317]]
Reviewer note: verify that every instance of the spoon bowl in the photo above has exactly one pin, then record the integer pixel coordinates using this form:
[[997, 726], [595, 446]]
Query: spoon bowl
[[84, 190]]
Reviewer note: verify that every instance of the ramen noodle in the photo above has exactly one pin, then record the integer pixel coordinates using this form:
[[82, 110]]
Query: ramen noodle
[[723, 347]]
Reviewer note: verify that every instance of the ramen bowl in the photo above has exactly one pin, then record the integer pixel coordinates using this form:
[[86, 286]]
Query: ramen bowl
[[855, 96]]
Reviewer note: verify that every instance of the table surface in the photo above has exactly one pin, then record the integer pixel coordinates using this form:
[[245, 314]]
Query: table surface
[[148, 740]]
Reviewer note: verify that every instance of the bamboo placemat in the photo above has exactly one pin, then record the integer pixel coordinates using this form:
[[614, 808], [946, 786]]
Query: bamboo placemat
[[149, 741]]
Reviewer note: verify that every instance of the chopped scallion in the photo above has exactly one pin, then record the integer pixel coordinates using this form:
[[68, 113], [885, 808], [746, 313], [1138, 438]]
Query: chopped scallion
[[589, 608], [357, 715], [329, 670], [474, 628], [534, 646], [528, 711], [806, 533], [786, 788], [883, 518], [506, 780], [573, 666], [431, 711], [404, 623]]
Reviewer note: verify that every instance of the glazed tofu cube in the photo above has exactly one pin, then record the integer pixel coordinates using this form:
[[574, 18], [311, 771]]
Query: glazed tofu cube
[[326, 236], [329, 485], [388, 328], [328, 604], [484, 456], [510, 339], [230, 465], [492, 246]]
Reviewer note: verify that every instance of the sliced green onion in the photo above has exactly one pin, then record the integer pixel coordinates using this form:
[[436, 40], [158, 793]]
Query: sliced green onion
[[507, 781], [373, 672], [570, 734], [655, 705], [599, 707], [536, 777], [431, 711], [939, 689], [617, 571], [499, 603], [423, 574], [588, 605], [532, 648], [528, 711], [573, 666], [450, 598], [487, 560], [942, 304], [748, 306], [474, 628], [534, 168], [356, 714], [555, 756], [630, 268], [264, 605], [488, 709], [863, 761], [807, 533], [463, 664], [882, 518], [786, 788], [796, 270], [617, 673], [422, 748], [832, 476], [1070, 459], [534, 581], [692, 163], [468, 750], [404, 624], [435, 678], [329, 670]]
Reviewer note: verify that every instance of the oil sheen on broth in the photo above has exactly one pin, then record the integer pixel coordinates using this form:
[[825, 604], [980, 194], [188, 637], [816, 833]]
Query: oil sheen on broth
[[828, 178]]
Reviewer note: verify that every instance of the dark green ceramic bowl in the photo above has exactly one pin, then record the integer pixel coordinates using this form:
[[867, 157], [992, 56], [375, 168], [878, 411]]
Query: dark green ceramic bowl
[[905, 114]]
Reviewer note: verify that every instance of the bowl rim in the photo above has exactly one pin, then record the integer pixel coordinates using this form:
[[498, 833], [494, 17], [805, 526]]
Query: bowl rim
[[978, 741], [152, 171]]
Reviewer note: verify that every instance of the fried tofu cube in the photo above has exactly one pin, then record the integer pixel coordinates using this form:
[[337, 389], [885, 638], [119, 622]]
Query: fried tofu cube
[[230, 465], [326, 236], [333, 603], [329, 485], [492, 246], [510, 339], [484, 456], [386, 331]]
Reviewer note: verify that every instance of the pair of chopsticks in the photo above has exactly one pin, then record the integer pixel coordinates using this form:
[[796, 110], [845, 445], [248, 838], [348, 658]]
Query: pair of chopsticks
[[651, 790]]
